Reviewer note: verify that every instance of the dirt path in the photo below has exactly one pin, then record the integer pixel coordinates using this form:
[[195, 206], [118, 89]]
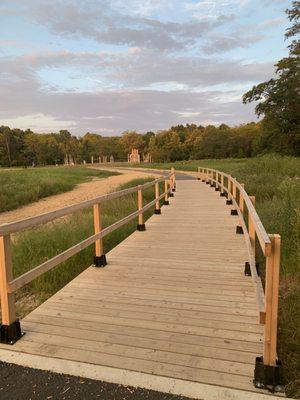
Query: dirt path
[[83, 191]]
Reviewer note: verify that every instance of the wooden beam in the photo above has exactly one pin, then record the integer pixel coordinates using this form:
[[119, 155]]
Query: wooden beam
[[6, 275], [271, 293], [140, 206], [97, 229], [157, 196]]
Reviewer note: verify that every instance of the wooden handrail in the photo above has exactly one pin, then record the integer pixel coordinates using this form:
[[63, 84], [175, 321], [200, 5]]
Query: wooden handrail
[[17, 226], [270, 244], [9, 284]]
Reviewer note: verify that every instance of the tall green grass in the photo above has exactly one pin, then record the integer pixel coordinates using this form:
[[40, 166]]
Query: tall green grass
[[23, 186], [32, 247]]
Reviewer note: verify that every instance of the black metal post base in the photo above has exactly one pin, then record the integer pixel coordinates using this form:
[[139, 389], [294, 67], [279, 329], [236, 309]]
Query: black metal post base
[[234, 212], [171, 194], [9, 334], [222, 194], [247, 270], [198, 179], [203, 180], [100, 261], [166, 202], [239, 230], [268, 376], [217, 189], [174, 189], [208, 183], [158, 212], [141, 227], [257, 269], [228, 202]]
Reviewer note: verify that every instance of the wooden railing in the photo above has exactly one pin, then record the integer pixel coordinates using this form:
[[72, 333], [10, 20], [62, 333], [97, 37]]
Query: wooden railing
[[10, 327], [270, 245]]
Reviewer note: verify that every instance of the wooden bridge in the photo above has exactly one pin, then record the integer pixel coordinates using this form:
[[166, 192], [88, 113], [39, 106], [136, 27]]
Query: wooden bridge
[[179, 307]]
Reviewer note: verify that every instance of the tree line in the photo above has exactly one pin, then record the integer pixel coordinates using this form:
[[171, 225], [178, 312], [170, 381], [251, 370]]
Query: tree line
[[26, 148]]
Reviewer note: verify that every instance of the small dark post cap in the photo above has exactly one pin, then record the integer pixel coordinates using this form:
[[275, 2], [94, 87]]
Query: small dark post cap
[[171, 194], [234, 212], [158, 212], [141, 227], [247, 269], [166, 202], [239, 230], [9, 334], [228, 202], [222, 194], [100, 261]]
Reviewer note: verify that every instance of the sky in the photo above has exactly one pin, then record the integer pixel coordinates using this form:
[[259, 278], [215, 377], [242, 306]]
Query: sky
[[109, 66]]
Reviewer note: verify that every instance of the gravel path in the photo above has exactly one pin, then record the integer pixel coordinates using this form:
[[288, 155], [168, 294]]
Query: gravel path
[[83, 191], [22, 383]]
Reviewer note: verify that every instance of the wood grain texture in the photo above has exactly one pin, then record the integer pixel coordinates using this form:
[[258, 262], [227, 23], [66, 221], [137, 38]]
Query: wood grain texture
[[172, 301]]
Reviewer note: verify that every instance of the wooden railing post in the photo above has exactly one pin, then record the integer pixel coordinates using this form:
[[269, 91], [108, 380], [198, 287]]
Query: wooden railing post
[[166, 201], [157, 207], [100, 258], [199, 174], [271, 294], [267, 367], [141, 225], [222, 194], [217, 189], [233, 211], [251, 228], [239, 228], [172, 182], [10, 329]]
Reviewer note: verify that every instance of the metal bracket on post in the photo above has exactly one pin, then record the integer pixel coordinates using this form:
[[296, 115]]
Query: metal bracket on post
[[268, 376], [141, 227], [157, 211], [239, 229], [247, 270], [9, 334], [234, 212], [100, 261], [228, 202], [166, 202]]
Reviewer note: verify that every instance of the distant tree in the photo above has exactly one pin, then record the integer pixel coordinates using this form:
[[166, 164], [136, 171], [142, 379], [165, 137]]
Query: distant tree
[[279, 98], [132, 140]]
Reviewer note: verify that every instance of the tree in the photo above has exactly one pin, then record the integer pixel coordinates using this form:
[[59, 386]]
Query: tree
[[279, 98], [132, 140]]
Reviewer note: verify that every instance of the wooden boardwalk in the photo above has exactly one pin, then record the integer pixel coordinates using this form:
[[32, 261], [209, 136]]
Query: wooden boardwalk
[[173, 304]]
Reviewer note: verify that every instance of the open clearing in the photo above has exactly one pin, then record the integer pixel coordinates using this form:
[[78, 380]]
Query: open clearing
[[83, 191]]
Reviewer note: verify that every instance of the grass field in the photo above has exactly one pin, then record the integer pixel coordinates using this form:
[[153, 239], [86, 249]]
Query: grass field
[[23, 186], [275, 181]]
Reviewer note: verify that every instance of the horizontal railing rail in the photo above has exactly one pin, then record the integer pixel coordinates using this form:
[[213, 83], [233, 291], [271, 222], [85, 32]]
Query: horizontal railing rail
[[267, 300], [10, 327]]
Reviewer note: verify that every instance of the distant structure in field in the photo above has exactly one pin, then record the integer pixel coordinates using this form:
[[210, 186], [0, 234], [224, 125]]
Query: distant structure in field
[[135, 157]]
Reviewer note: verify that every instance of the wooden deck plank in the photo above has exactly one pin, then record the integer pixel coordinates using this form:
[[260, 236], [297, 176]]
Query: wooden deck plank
[[173, 301]]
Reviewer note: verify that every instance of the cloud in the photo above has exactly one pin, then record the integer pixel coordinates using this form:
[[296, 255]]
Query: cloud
[[218, 43], [37, 122], [103, 22]]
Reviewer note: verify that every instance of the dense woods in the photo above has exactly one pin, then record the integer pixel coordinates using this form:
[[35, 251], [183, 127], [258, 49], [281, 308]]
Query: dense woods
[[25, 148]]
